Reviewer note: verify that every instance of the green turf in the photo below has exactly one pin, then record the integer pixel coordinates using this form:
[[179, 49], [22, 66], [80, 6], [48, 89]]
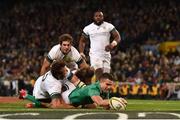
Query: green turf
[[153, 105], [133, 105], [154, 109]]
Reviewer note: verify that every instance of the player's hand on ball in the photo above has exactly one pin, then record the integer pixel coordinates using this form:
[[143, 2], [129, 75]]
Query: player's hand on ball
[[123, 100], [118, 104], [109, 48]]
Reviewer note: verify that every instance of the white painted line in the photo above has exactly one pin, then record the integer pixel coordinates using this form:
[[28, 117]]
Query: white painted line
[[121, 116], [143, 114], [16, 114]]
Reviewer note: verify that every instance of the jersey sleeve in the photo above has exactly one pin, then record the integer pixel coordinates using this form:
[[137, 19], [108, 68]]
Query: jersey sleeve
[[111, 27], [76, 56], [54, 88], [52, 54], [85, 32]]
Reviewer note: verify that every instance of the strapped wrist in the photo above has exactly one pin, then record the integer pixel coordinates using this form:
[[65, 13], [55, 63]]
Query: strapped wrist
[[81, 53], [114, 43]]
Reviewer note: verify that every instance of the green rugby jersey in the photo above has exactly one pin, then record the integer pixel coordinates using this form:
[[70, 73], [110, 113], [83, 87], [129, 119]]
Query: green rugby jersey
[[81, 96]]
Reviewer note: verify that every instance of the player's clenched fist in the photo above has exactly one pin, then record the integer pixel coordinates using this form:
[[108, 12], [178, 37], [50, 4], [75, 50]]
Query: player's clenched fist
[[109, 48]]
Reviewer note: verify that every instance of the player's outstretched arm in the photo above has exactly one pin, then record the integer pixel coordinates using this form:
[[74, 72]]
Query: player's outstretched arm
[[100, 102]]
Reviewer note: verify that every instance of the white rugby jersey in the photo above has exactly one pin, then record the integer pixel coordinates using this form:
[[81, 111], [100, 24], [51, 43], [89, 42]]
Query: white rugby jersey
[[47, 86], [99, 36], [71, 58]]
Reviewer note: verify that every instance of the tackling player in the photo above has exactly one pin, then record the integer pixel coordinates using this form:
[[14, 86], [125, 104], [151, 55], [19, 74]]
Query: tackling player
[[48, 88]]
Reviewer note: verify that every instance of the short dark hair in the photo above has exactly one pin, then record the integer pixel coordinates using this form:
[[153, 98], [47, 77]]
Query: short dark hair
[[85, 73], [98, 10], [65, 37], [106, 76], [57, 69]]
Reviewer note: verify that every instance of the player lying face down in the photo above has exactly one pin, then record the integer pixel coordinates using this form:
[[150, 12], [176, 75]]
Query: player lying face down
[[91, 93]]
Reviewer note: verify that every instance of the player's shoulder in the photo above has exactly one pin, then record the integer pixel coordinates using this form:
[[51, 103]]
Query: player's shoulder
[[57, 46], [107, 23], [45, 77], [95, 85], [49, 77], [74, 50], [89, 26], [47, 74]]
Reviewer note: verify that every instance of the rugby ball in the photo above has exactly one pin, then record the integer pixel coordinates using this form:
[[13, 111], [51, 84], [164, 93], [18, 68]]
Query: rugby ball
[[118, 104]]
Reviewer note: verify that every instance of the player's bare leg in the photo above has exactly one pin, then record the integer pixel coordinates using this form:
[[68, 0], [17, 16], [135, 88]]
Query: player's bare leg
[[35, 103]]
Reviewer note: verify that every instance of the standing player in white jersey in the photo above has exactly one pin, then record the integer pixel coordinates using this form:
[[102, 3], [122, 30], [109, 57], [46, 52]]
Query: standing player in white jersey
[[99, 32], [63, 51]]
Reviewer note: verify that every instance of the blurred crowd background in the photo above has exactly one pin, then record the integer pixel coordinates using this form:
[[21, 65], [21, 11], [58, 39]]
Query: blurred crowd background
[[29, 28]]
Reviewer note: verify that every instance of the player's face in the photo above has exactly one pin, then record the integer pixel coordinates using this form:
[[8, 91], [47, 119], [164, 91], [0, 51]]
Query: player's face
[[107, 85], [65, 47], [98, 18]]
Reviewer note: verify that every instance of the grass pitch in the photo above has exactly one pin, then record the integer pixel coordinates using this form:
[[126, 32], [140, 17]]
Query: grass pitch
[[136, 109]]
